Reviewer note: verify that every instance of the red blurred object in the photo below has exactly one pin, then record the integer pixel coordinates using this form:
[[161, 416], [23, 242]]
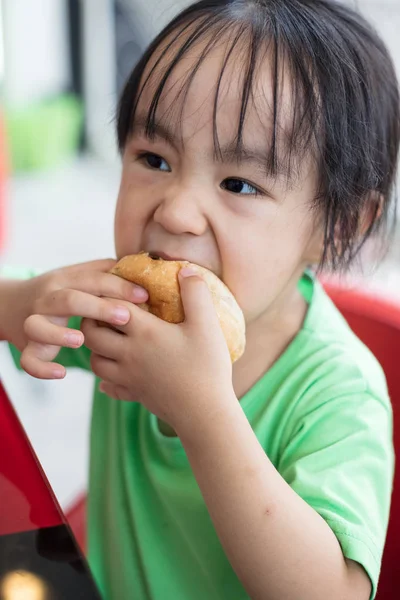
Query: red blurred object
[[35, 539], [76, 517], [24, 490], [377, 323]]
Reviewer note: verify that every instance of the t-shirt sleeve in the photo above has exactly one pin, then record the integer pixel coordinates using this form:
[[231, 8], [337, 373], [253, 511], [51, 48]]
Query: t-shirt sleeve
[[67, 357], [340, 460]]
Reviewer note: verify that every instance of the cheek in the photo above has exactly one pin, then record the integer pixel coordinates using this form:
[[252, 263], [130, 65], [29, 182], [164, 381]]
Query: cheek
[[243, 271], [131, 216], [120, 228], [251, 286], [258, 267]]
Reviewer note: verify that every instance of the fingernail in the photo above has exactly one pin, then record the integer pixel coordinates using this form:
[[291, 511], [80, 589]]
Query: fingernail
[[74, 339], [139, 294], [188, 272], [58, 373], [102, 387], [120, 315]]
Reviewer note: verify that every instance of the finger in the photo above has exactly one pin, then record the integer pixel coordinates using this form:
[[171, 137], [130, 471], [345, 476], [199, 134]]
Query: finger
[[35, 360], [103, 265], [67, 302], [99, 283], [39, 328], [105, 368], [102, 340], [140, 317], [116, 392], [197, 301]]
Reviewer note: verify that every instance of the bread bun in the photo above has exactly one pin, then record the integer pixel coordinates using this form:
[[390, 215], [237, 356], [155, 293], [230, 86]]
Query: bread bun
[[160, 278]]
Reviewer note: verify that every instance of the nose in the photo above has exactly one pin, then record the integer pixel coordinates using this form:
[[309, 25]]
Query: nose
[[181, 211]]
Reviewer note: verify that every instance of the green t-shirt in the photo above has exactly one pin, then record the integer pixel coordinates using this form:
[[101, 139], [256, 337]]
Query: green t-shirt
[[323, 416]]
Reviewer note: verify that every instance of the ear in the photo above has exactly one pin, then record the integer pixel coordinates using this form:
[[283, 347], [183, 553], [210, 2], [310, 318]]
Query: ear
[[372, 212], [315, 247]]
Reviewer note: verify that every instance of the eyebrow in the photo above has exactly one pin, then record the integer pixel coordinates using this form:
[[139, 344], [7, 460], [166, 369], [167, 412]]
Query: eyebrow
[[155, 130], [229, 153]]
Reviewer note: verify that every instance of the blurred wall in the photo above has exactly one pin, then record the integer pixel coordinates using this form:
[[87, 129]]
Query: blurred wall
[[385, 17], [99, 76], [35, 49]]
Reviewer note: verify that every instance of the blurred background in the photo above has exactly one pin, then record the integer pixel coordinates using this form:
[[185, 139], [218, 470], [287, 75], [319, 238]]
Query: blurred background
[[62, 66]]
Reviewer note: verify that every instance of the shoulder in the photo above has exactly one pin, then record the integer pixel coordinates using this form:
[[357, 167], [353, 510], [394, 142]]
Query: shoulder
[[337, 360], [332, 379], [340, 411]]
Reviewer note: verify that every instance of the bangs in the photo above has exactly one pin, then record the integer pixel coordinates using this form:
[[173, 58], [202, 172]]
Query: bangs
[[247, 48]]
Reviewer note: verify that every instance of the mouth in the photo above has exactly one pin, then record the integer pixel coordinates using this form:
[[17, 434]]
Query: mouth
[[162, 255], [158, 255]]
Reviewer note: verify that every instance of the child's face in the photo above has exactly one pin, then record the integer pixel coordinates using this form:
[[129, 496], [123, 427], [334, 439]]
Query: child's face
[[178, 200]]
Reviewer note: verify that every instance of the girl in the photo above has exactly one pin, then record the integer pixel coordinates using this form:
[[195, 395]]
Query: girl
[[258, 138]]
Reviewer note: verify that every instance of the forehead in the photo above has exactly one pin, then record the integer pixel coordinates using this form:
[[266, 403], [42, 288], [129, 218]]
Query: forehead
[[219, 88]]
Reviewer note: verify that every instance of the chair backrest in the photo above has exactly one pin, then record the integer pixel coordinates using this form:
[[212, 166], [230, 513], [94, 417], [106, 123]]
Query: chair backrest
[[377, 323]]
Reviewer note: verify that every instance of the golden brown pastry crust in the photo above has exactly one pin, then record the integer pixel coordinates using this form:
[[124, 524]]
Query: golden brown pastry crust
[[160, 278]]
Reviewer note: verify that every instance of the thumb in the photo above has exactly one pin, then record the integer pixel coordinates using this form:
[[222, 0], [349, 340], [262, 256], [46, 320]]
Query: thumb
[[196, 299]]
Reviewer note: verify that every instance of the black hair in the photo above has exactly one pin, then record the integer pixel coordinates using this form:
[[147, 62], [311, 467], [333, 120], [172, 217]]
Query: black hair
[[345, 101]]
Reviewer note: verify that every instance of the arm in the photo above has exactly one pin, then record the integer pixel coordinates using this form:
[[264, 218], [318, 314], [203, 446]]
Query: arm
[[277, 544], [12, 305]]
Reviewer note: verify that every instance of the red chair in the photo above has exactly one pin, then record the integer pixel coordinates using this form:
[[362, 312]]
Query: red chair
[[377, 324]]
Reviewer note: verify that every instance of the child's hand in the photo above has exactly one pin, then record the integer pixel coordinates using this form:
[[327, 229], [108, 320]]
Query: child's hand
[[173, 370], [43, 305]]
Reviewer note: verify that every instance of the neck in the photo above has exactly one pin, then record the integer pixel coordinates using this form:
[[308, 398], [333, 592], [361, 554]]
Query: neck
[[267, 337]]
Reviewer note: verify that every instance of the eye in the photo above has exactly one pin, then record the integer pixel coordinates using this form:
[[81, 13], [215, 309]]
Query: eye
[[239, 186], [155, 162]]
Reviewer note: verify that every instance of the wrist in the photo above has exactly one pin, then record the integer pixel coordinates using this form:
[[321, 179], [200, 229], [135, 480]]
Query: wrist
[[207, 416], [12, 299]]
